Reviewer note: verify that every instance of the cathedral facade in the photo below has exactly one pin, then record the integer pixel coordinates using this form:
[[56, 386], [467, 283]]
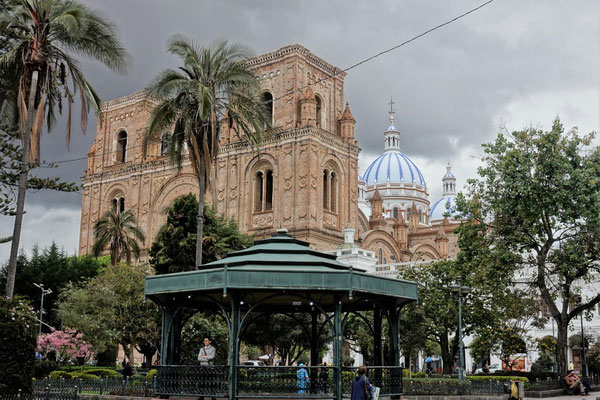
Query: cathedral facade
[[304, 177]]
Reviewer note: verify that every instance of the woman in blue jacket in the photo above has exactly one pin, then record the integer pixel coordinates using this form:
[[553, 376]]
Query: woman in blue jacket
[[361, 385]]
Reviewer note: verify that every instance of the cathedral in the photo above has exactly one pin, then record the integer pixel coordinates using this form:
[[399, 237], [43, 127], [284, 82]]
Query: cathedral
[[304, 179]]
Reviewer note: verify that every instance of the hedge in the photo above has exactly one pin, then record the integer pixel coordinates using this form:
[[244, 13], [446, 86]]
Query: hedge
[[497, 378], [151, 374]]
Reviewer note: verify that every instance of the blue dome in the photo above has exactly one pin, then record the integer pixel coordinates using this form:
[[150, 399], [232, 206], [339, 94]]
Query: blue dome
[[395, 167], [440, 207]]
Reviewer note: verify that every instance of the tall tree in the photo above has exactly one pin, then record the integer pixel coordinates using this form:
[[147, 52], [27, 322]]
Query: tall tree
[[174, 248], [45, 35], [533, 213], [213, 83], [118, 230], [53, 268], [110, 309]]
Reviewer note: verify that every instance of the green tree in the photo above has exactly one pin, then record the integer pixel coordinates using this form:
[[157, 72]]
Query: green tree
[[214, 83], [53, 268], [174, 248], [121, 233], [533, 212], [111, 308], [44, 35], [17, 347]]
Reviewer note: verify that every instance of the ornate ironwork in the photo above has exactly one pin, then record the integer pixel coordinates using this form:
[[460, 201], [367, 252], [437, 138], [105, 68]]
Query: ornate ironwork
[[286, 382], [387, 379], [195, 380]]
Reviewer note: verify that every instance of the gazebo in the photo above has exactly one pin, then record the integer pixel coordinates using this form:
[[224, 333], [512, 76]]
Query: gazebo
[[277, 275]]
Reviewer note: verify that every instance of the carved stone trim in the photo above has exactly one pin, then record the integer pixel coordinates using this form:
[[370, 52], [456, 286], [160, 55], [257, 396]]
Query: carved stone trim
[[262, 219], [330, 219]]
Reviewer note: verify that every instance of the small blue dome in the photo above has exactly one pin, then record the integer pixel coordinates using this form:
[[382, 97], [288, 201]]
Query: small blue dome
[[395, 167], [440, 207]]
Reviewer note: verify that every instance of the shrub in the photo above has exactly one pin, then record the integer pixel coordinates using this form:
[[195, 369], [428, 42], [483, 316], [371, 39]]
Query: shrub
[[544, 363], [60, 374], [17, 322], [151, 374], [42, 368], [420, 374], [497, 378], [103, 372], [83, 375]]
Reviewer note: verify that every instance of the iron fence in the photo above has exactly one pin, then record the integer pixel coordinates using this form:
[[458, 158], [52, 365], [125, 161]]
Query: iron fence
[[388, 379], [55, 388], [46, 394], [193, 380]]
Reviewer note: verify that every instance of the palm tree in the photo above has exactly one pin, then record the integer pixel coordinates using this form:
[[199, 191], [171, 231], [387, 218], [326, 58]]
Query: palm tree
[[120, 231], [213, 83], [43, 36]]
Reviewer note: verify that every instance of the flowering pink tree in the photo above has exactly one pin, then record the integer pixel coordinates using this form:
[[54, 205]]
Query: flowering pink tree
[[68, 345]]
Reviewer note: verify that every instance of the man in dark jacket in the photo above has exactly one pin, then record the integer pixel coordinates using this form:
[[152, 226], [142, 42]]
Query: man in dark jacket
[[361, 385]]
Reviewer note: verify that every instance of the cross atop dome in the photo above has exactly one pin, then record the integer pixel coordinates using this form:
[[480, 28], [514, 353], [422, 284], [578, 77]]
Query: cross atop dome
[[392, 135], [392, 112]]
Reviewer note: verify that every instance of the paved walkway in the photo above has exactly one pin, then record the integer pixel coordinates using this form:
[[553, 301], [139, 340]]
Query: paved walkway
[[592, 396]]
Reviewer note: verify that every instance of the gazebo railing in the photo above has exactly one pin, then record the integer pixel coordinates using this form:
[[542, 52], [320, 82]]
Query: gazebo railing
[[270, 382], [286, 382], [388, 379], [194, 380]]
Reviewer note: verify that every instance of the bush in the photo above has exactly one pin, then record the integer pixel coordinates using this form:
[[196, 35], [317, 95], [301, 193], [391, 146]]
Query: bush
[[17, 322], [544, 363], [151, 374], [83, 375], [497, 378], [420, 374], [42, 368], [60, 374], [103, 372]]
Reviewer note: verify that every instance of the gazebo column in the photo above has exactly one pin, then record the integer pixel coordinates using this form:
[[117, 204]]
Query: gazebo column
[[337, 347], [314, 346], [234, 346], [396, 373], [377, 348], [168, 341]]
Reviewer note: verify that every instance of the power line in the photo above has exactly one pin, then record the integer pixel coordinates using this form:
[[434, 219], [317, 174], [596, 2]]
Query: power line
[[448, 22]]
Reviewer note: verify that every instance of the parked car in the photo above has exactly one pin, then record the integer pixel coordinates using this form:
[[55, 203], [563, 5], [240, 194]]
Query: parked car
[[493, 368], [253, 363]]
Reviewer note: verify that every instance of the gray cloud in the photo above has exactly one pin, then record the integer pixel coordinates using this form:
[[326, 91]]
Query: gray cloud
[[516, 62]]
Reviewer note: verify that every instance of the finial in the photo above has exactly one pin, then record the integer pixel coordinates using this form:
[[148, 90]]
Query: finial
[[391, 103]]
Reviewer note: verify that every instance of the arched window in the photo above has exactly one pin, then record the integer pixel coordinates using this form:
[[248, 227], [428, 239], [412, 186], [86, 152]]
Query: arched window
[[263, 191], [267, 99], [117, 204], [164, 144], [319, 105], [330, 190], [380, 256], [122, 147], [395, 212]]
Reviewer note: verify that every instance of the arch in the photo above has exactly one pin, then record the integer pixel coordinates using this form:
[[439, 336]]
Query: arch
[[424, 252], [174, 187], [375, 240], [121, 146], [267, 100], [363, 222], [262, 191], [116, 198]]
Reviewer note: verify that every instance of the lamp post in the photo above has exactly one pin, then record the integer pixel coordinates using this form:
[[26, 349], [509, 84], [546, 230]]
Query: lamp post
[[584, 371], [457, 287], [44, 292]]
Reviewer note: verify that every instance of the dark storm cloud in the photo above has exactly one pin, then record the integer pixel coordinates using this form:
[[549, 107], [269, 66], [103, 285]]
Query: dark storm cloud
[[511, 61]]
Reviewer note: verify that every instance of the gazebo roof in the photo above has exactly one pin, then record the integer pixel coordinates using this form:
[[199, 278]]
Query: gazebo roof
[[280, 264]]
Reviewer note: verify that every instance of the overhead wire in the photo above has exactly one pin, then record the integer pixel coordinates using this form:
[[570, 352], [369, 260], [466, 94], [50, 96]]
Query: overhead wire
[[330, 76]]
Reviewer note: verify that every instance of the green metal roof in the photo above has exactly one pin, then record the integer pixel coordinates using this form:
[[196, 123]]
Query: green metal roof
[[280, 251], [278, 264]]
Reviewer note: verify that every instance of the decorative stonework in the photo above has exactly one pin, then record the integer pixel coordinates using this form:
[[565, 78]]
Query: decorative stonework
[[262, 220]]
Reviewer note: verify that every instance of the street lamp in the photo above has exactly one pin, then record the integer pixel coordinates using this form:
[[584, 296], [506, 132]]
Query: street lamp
[[457, 287], [584, 371], [44, 292]]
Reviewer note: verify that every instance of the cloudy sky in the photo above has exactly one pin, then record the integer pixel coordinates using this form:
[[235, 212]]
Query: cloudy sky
[[512, 63]]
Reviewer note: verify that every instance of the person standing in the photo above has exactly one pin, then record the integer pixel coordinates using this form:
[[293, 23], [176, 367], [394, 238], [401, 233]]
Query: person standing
[[207, 353], [302, 379], [361, 385], [206, 356]]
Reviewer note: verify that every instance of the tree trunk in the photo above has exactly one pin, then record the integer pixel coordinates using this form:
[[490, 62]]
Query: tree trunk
[[447, 357], [561, 347], [16, 236], [200, 218]]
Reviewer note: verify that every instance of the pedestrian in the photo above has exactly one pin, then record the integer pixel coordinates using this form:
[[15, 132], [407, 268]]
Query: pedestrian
[[207, 353], [361, 387], [206, 357], [127, 371], [302, 379]]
